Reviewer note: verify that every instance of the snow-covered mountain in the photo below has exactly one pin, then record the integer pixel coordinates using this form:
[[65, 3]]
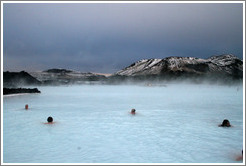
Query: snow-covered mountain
[[223, 65]]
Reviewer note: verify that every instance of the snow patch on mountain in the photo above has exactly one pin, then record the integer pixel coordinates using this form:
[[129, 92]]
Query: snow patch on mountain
[[142, 65]]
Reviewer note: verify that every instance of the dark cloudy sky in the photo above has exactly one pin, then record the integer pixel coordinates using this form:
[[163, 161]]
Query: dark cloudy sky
[[108, 37]]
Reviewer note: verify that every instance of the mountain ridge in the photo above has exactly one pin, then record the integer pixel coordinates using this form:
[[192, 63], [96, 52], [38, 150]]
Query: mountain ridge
[[222, 69], [223, 64]]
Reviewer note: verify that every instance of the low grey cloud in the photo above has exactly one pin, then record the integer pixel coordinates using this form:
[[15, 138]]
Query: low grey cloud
[[106, 37]]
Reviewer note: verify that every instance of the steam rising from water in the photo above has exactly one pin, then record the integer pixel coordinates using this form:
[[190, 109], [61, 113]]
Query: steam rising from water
[[175, 123]]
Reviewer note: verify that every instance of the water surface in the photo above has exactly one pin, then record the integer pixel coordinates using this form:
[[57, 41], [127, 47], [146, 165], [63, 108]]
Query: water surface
[[173, 124]]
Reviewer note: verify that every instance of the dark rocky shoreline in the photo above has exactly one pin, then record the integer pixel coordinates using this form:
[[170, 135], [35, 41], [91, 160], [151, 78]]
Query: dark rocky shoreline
[[8, 91]]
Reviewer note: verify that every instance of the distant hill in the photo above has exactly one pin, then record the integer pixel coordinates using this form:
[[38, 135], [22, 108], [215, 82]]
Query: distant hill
[[215, 68], [58, 71], [17, 79], [63, 76]]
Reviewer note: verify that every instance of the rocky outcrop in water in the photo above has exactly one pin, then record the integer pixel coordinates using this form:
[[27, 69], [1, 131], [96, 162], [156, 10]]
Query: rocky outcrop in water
[[7, 91]]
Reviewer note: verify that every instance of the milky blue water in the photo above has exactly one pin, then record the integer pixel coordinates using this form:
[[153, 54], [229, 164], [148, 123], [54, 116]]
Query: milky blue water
[[173, 124]]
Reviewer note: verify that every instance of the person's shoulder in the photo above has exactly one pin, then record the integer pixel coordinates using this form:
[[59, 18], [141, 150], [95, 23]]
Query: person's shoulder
[[225, 126]]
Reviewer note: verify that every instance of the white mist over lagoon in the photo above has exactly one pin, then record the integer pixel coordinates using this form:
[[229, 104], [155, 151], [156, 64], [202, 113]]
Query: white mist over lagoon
[[173, 124]]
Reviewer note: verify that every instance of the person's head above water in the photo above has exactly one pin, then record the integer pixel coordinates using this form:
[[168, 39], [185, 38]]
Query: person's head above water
[[225, 123], [50, 119], [133, 111]]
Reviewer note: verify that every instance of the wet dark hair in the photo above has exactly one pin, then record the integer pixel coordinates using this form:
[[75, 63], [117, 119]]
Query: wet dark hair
[[225, 122], [50, 119]]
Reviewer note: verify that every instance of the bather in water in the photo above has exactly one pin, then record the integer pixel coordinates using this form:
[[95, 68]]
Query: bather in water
[[225, 123]]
